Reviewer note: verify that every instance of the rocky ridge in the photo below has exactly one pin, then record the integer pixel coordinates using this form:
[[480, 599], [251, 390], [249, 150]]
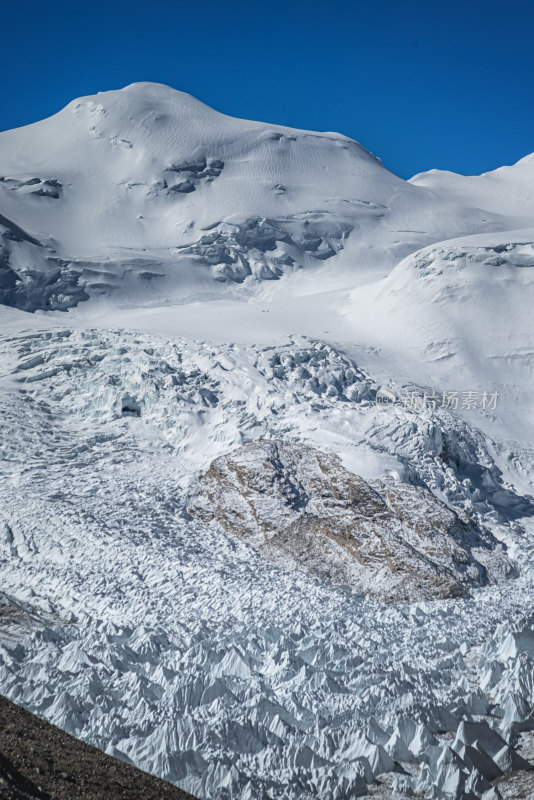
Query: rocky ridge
[[391, 541]]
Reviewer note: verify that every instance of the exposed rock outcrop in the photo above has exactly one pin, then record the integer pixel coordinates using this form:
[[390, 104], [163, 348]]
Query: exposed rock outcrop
[[302, 509], [40, 762]]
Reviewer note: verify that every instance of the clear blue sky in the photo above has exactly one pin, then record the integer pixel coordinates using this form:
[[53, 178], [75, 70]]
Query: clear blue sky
[[421, 84]]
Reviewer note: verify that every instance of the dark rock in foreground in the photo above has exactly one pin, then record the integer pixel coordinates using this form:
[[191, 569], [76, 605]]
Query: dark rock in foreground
[[40, 762]]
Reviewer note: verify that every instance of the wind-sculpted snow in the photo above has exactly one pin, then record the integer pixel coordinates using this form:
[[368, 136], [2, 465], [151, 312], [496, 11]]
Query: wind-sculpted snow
[[299, 507], [172, 643]]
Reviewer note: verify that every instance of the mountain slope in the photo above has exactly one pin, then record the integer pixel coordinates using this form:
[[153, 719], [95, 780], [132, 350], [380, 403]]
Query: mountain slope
[[507, 190], [277, 304], [471, 299], [148, 195], [40, 762]]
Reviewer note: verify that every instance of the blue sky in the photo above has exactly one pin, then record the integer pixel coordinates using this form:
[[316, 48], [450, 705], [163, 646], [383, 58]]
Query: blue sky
[[421, 84]]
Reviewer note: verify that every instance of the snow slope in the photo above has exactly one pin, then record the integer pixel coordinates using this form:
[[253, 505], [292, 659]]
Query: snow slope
[[148, 195], [507, 190], [200, 283], [459, 315]]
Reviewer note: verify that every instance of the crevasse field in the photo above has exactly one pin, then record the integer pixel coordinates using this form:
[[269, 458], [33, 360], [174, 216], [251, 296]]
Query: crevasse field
[[182, 291]]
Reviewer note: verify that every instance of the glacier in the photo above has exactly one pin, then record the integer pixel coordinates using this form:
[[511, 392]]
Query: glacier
[[179, 288]]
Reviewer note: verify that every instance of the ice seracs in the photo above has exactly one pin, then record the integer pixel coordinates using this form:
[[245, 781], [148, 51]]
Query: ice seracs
[[228, 674]]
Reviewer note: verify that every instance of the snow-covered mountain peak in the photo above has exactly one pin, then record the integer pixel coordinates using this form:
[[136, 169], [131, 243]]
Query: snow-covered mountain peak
[[159, 125], [147, 196], [171, 108]]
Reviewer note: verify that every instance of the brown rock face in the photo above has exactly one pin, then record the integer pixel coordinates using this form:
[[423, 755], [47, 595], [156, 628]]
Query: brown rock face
[[303, 510]]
